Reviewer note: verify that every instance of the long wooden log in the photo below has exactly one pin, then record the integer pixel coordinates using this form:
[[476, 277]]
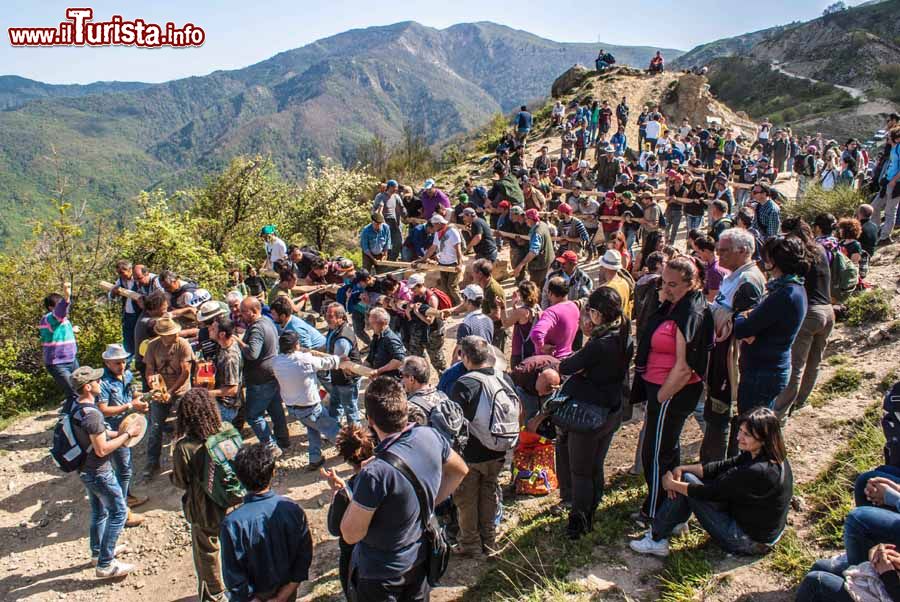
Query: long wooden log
[[347, 365], [423, 266], [128, 294]]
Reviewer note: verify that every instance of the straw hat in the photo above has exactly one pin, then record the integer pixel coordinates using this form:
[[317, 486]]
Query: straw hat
[[166, 326]]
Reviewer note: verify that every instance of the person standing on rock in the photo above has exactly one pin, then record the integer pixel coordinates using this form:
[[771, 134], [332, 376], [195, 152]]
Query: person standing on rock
[[622, 112], [266, 544], [523, 125], [108, 508]]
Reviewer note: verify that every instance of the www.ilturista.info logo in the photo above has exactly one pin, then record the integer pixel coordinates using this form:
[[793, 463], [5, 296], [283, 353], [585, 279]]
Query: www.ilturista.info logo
[[79, 30]]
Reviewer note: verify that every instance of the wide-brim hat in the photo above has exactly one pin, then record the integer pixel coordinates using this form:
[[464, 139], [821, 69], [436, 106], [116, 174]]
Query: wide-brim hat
[[115, 351], [139, 419], [611, 260], [212, 309], [166, 326]]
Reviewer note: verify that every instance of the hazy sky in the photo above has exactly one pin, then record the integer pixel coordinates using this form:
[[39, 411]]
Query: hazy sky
[[240, 33]]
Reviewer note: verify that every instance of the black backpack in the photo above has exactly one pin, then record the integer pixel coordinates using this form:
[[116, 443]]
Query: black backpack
[[65, 448]]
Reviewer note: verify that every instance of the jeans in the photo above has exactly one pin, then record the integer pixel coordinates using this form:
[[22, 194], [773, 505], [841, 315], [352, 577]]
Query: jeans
[[266, 398], [61, 374], [108, 514], [159, 413], [713, 517], [585, 457], [122, 466], [674, 219], [318, 423], [866, 527], [228, 414], [662, 447], [822, 586], [760, 386], [129, 321], [630, 238], [592, 133], [344, 402], [890, 211], [396, 238], [892, 473], [411, 587], [694, 222], [806, 355]]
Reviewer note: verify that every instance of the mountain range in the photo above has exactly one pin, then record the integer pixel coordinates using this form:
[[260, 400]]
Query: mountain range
[[113, 139]]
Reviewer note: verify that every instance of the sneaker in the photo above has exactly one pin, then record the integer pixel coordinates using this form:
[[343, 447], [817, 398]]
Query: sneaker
[[314, 466], [114, 570], [680, 529], [134, 501], [461, 552], [120, 549], [885, 242], [133, 520], [647, 545]]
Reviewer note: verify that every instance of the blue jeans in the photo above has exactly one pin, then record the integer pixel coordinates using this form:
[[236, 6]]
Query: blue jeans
[[122, 466], [344, 402], [693, 221], [318, 423], [129, 321], [824, 583], [760, 386], [108, 514], [227, 414], [61, 374], [891, 473], [630, 238], [159, 413], [266, 398], [866, 527], [720, 525]]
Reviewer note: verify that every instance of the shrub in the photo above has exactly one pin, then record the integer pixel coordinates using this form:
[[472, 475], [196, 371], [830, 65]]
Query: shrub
[[492, 133], [840, 202], [844, 380], [873, 305]]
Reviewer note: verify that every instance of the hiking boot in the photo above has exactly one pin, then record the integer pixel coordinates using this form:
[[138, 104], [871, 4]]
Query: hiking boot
[[647, 545], [120, 549], [134, 501], [314, 466], [133, 520], [560, 508], [464, 552], [151, 471], [116, 569], [578, 526]]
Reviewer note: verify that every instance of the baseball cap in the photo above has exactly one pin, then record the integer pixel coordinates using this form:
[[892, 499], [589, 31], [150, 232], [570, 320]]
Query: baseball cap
[[569, 257], [517, 209], [628, 195], [533, 215], [471, 292], [391, 183], [463, 197], [437, 218], [266, 230], [85, 375], [469, 211], [377, 218], [577, 184], [429, 183], [610, 195], [416, 279], [503, 205], [565, 208]]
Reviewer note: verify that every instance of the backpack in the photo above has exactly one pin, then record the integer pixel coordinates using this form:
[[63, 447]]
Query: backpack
[[496, 422], [844, 275], [65, 448], [443, 298], [220, 481], [663, 222], [445, 416]]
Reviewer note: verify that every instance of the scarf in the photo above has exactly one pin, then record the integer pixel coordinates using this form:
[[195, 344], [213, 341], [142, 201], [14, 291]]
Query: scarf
[[775, 284]]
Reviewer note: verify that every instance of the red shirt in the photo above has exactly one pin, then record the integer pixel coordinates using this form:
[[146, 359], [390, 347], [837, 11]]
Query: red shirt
[[607, 208], [662, 355]]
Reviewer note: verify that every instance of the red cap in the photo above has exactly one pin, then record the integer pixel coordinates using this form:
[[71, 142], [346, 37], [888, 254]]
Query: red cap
[[611, 195], [503, 205], [671, 173], [569, 257], [533, 215], [564, 208]]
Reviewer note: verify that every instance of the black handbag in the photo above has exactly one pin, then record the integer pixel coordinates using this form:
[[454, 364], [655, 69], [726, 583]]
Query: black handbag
[[438, 551], [575, 416]]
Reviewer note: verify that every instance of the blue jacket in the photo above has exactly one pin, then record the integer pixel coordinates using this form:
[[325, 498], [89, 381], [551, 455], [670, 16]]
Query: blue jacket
[[620, 141], [775, 323], [374, 242], [418, 241]]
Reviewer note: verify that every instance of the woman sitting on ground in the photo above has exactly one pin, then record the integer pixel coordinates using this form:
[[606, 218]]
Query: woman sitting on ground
[[355, 445], [742, 501]]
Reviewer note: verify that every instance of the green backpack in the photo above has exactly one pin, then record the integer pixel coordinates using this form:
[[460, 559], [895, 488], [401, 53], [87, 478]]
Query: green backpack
[[844, 276], [220, 481]]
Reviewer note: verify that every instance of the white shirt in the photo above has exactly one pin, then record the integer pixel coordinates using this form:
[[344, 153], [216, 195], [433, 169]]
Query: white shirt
[[296, 376], [446, 244], [275, 251], [653, 129]]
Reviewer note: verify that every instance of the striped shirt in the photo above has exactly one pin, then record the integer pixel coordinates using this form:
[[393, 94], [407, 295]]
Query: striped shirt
[[57, 336]]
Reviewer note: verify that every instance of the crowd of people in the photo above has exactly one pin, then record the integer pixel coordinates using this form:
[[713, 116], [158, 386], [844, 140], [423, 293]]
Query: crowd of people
[[725, 320]]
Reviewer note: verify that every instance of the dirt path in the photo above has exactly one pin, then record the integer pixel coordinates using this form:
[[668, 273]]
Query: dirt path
[[854, 92]]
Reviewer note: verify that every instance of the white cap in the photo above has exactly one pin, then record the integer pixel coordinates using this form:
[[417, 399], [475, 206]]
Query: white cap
[[437, 218], [472, 292], [415, 280]]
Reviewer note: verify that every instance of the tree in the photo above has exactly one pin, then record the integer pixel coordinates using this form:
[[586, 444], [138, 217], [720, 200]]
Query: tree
[[235, 204], [332, 205], [374, 155], [413, 159], [837, 7]]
